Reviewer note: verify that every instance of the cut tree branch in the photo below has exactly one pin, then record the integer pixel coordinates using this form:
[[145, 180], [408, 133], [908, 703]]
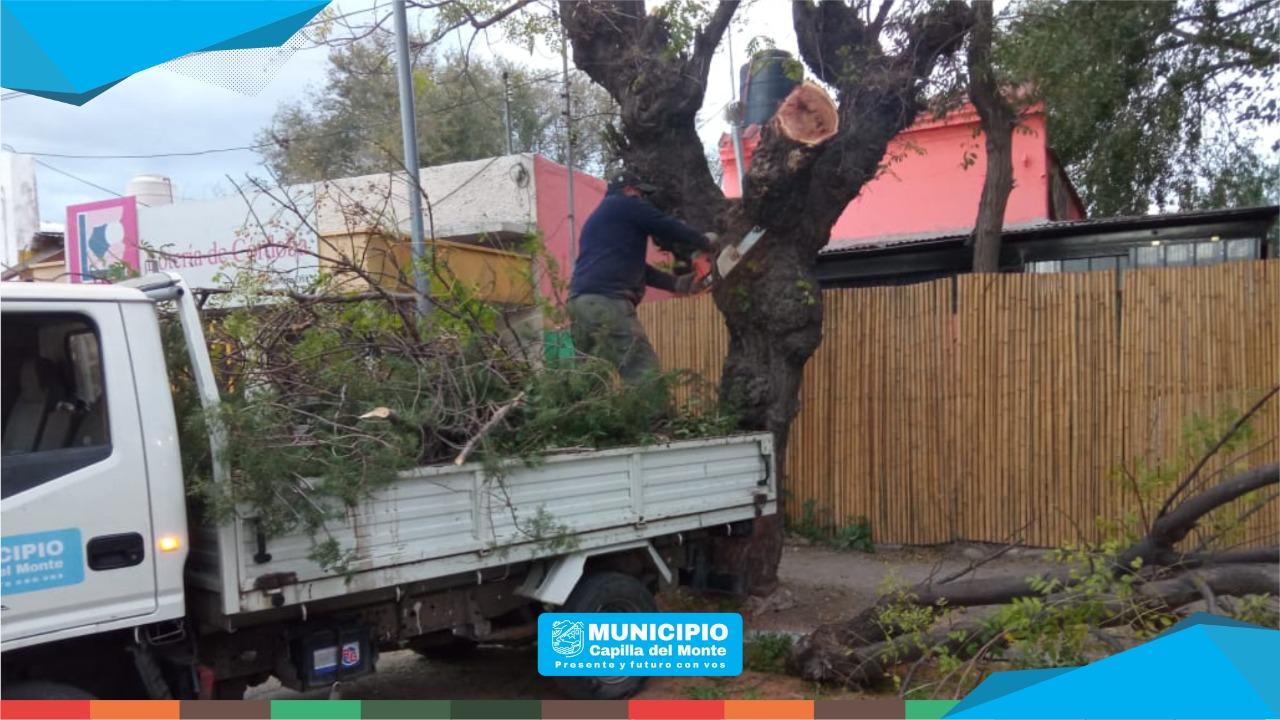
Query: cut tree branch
[[1204, 460], [1170, 528]]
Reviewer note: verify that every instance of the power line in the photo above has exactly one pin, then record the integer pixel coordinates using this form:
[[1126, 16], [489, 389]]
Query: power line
[[190, 153], [77, 178], [263, 145]]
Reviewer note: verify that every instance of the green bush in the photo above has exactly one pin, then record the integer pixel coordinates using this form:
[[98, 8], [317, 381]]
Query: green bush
[[767, 652]]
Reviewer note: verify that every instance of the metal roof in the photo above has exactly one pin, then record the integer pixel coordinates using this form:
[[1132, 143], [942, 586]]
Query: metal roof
[[1052, 228]]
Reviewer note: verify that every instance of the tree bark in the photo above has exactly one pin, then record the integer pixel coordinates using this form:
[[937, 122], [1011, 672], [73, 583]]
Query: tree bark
[[998, 119], [627, 51], [794, 190]]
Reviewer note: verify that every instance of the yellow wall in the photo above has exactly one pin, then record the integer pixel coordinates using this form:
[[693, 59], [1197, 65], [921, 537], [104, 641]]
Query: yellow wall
[[494, 275]]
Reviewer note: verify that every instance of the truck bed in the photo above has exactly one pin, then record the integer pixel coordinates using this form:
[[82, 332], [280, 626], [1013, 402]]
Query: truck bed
[[442, 520]]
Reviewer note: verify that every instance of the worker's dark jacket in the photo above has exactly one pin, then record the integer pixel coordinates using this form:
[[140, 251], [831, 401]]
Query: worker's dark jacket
[[611, 259]]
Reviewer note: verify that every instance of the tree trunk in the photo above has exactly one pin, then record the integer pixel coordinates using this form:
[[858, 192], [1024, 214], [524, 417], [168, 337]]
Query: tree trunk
[[774, 318], [801, 179], [998, 119], [772, 304]]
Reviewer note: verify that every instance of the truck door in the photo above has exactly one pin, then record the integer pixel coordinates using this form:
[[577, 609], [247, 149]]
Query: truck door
[[77, 537]]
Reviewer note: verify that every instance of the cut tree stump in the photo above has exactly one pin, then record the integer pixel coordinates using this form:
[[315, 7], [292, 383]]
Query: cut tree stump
[[808, 115]]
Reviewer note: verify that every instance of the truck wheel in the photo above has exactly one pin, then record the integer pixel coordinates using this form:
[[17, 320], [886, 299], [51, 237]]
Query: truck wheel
[[442, 646], [607, 592], [45, 690]]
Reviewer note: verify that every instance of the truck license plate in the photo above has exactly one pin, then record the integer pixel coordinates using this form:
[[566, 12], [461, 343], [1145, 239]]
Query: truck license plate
[[325, 660]]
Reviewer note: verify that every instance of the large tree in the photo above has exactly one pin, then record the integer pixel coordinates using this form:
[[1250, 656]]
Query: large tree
[[811, 162], [351, 125], [1149, 103], [1142, 97]]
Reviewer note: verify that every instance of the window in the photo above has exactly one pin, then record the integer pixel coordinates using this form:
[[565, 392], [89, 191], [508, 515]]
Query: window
[[1201, 252], [1179, 255], [1104, 262], [1164, 254], [55, 406], [1244, 249]]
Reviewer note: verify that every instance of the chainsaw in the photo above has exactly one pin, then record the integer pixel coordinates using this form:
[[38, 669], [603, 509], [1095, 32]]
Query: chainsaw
[[706, 268]]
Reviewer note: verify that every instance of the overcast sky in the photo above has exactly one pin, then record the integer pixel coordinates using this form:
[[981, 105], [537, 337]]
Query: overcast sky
[[159, 111]]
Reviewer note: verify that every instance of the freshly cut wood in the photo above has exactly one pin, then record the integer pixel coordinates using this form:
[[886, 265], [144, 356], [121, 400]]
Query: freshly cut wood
[[808, 115]]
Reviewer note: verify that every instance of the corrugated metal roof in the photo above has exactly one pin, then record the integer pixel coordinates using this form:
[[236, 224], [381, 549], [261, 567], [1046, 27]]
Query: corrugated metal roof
[[1056, 227]]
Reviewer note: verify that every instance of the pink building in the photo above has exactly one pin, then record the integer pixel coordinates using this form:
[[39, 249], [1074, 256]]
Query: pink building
[[932, 179]]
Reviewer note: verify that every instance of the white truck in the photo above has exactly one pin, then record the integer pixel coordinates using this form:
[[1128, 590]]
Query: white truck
[[112, 588]]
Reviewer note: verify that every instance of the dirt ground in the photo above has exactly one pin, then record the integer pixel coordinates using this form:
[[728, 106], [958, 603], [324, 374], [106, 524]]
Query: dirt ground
[[819, 585]]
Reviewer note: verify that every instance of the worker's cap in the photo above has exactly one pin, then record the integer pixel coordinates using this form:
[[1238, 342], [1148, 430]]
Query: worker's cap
[[628, 178]]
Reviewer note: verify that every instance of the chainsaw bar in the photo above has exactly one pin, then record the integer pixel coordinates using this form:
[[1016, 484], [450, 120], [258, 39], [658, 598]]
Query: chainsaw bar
[[733, 254]]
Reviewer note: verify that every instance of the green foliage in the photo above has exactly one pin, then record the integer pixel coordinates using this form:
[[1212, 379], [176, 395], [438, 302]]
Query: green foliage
[[1257, 609], [817, 526], [582, 406], [1149, 483], [351, 126], [767, 652], [714, 691], [324, 402], [1143, 96], [1096, 610], [684, 18], [1233, 177]]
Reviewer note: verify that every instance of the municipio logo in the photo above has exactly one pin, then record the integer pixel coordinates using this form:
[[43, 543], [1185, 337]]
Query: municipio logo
[[568, 637]]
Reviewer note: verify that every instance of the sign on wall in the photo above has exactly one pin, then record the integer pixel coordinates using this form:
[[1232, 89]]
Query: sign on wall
[[102, 239], [211, 242]]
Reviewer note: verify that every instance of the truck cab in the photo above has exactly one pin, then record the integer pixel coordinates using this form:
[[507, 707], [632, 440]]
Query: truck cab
[[94, 518]]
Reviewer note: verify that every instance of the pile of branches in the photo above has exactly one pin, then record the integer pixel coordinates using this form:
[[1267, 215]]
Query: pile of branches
[[1097, 598], [326, 397]]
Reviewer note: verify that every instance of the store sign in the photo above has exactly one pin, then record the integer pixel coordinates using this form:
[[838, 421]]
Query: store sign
[[102, 240]]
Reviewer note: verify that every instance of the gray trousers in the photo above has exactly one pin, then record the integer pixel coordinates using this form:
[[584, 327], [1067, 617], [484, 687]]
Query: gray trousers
[[608, 328]]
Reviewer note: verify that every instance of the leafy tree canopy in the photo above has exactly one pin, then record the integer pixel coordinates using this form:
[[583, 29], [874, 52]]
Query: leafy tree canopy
[[351, 125], [1145, 99]]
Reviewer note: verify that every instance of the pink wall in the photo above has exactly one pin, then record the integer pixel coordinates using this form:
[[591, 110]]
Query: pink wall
[[926, 186], [551, 190]]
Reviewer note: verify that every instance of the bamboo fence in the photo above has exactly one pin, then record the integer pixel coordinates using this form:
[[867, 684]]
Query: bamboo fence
[[993, 407]]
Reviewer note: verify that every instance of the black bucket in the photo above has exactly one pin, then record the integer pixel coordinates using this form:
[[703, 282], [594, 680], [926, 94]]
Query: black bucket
[[764, 84]]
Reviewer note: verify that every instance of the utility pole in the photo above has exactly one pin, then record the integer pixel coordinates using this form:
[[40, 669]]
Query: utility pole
[[735, 121], [568, 143], [506, 107], [408, 128]]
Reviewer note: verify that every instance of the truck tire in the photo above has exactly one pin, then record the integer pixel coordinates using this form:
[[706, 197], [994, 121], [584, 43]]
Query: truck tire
[[442, 646], [45, 690], [607, 592]]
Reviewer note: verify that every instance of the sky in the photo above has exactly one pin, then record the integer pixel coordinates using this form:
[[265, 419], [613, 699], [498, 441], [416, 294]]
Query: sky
[[159, 111]]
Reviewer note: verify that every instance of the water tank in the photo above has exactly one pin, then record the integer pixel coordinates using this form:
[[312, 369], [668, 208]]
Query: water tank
[[151, 190], [763, 85]]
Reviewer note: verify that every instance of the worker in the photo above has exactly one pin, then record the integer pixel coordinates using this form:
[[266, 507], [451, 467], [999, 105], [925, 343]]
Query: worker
[[610, 274]]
